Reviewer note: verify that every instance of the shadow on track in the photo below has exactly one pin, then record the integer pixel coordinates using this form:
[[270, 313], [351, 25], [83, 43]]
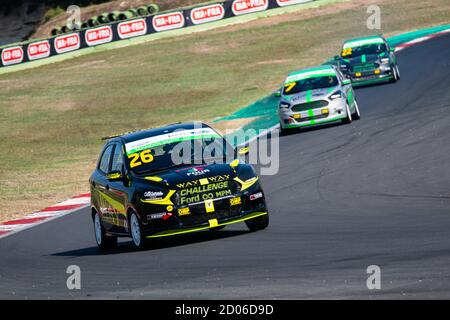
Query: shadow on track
[[155, 244], [293, 131]]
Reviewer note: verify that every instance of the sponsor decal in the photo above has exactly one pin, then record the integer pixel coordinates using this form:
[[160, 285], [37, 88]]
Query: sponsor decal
[[203, 181], [12, 55], [205, 192], [256, 196], [68, 42], [98, 36], [184, 211], [168, 21], [133, 28], [153, 195], [38, 50], [154, 216], [248, 6], [326, 72], [235, 201], [205, 14], [283, 3], [197, 172], [209, 206], [173, 137]]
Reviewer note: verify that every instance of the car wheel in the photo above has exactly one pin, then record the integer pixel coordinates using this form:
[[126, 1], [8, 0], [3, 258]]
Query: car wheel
[[356, 115], [136, 232], [258, 223], [395, 74], [398, 72], [283, 131], [349, 118], [104, 242]]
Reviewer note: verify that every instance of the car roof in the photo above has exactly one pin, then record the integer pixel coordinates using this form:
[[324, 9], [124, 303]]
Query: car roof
[[313, 69], [146, 133], [364, 39], [324, 70]]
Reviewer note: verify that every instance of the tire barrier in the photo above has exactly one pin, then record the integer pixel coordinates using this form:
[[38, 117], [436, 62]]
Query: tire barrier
[[103, 18], [132, 25]]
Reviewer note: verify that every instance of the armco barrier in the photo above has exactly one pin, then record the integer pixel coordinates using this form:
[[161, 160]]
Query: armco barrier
[[116, 31]]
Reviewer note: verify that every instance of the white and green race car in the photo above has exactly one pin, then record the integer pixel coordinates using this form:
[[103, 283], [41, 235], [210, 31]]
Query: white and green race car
[[316, 96]]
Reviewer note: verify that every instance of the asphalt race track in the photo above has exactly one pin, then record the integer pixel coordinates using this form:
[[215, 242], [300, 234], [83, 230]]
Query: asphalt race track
[[375, 192]]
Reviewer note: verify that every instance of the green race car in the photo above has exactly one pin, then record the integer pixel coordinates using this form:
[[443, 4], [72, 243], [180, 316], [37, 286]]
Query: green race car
[[368, 60]]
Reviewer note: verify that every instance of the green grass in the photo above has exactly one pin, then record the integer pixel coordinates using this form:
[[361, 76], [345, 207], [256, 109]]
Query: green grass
[[53, 116]]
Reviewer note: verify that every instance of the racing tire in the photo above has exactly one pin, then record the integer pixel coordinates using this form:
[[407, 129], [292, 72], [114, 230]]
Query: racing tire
[[258, 223], [396, 74], [356, 115], [136, 232], [104, 242], [287, 132], [283, 132], [349, 118]]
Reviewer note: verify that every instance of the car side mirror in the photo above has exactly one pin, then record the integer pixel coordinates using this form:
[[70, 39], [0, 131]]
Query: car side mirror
[[277, 93], [392, 49], [242, 151], [346, 82], [114, 175], [337, 58]]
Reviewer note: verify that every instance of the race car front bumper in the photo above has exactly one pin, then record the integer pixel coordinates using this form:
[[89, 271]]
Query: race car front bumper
[[212, 223], [370, 77], [244, 205], [335, 110]]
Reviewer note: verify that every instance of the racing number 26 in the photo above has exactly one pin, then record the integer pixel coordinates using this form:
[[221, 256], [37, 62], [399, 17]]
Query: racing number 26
[[138, 159]]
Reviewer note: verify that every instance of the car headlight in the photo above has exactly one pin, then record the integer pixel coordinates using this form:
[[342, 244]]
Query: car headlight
[[284, 105], [336, 95]]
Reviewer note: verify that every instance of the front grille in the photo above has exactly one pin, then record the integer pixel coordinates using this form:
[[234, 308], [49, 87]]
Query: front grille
[[320, 116], [365, 67], [309, 105]]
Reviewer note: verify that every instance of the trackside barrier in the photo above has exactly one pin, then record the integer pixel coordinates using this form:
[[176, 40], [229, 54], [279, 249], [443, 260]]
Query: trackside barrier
[[116, 31]]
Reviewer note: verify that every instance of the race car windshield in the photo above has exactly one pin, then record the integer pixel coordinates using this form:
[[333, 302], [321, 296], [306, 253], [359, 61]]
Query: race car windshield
[[310, 84], [361, 50], [168, 152]]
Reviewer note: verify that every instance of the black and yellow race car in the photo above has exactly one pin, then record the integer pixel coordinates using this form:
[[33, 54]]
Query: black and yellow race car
[[172, 180]]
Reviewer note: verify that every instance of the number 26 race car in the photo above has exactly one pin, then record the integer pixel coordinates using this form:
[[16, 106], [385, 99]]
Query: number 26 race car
[[141, 189]]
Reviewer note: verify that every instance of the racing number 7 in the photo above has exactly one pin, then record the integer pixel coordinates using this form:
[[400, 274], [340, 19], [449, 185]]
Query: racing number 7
[[144, 157]]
